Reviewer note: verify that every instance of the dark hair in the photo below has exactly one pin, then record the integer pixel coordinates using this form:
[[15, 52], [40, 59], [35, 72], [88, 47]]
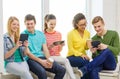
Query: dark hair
[[47, 18], [97, 19], [30, 17], [77, 18]]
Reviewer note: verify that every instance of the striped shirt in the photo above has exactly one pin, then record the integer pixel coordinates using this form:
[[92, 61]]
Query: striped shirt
[[50, 38]]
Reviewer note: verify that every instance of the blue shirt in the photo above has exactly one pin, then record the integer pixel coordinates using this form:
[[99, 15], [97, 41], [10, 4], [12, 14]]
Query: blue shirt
[[36, 42]]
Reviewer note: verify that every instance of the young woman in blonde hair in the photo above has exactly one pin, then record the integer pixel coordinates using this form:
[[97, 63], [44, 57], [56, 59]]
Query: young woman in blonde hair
[[14, 60]]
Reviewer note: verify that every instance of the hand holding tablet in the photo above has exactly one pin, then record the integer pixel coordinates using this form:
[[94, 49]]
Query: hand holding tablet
[[23, 37], [95, 44], [58, 43]]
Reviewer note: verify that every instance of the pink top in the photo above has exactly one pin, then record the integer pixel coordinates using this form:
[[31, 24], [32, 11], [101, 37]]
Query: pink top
[[50, 38]]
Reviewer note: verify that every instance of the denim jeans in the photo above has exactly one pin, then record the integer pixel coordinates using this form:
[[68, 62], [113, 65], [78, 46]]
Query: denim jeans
[[105, 60], [40, 71], [79, 62]]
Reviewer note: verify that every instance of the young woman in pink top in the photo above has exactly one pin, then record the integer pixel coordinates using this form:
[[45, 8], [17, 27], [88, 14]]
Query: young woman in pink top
[[52, 36]]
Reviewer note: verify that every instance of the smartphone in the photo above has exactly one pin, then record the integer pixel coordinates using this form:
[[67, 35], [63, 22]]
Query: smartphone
[[23, 37]]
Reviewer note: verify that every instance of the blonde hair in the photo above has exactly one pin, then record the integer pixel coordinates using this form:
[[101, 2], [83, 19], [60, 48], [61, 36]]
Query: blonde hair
[[10, 20]]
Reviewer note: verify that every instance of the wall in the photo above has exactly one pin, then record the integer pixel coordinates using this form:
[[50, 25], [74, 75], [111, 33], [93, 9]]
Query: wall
[[109, 13], [1, 38]]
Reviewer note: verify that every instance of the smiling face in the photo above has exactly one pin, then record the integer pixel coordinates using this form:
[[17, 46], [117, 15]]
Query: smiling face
[[14, 26], [81, 25], [30, 25], [51, 24], [99, 27]]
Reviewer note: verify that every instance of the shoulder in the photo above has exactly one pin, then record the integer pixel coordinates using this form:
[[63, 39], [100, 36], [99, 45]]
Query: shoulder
[[39, 32], [6, 35], [87, 32], [112, 32], [57, 32], [24, 32], [72, 31]]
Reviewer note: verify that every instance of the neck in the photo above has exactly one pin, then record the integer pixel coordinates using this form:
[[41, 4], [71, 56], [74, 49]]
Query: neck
[[103, 33], [32, 32], [50, 30], [81, 33]]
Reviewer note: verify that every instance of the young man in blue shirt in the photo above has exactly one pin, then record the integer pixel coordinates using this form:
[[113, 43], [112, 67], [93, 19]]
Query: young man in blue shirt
[[39, 59]]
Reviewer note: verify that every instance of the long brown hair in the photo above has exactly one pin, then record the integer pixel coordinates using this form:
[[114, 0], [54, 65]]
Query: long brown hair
[[10, 20]]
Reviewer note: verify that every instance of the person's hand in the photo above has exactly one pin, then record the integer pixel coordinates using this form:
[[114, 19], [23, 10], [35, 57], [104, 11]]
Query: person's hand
[[25, 43], [46, 64], [93, 50], [19, 43], [50, 46], [62, 44], [102, 46], [85, 57]]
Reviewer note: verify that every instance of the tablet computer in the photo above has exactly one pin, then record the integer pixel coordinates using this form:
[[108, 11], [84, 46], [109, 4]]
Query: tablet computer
[[95, 44], [23, 37], [58, 42]]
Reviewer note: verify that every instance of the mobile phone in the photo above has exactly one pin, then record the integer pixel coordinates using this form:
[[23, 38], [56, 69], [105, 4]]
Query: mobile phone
[[23, 37]]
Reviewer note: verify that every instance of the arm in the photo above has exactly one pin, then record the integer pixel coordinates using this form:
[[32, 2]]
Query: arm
[[116, 44], [46, 51], [44, 62], [9, 53]]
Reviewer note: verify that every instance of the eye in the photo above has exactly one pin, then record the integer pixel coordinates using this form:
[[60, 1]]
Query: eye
[[98, 26]]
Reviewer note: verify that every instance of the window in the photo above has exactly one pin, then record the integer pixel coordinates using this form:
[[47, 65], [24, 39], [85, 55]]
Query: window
[[65, 10], [20, 8]]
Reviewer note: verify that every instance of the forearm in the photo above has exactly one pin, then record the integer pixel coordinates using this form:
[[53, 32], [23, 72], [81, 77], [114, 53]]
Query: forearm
[[10, 53], [31, 56]]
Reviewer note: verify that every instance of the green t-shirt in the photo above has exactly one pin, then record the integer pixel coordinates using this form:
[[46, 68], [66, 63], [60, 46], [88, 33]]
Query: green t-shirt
[[111, 38]]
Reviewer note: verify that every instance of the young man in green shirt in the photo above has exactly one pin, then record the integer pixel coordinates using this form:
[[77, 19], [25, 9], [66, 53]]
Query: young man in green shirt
[[105, 53]]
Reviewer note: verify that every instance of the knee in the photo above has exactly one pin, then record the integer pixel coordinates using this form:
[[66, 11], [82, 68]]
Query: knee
[[24, 73], [62, 71]]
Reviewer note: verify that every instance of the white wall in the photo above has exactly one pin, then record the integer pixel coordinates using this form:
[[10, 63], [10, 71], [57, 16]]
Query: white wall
[[95, 8], [108, 9], [1, 38], [118, 16], [110, 13]]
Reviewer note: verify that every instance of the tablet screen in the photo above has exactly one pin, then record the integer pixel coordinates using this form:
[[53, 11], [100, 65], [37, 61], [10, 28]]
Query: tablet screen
[[23, 37]]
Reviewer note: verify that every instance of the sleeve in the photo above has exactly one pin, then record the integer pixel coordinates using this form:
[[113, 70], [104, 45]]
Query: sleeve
[[5, 45], [116, 44], [70, 45], [44, 38]]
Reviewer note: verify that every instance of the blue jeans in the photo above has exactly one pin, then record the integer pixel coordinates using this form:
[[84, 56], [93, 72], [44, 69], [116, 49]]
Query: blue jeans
[[78, 62], [105, 60], [40, 71]]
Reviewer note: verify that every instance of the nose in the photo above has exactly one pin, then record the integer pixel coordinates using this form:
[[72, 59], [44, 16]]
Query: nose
[[96, 28]]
